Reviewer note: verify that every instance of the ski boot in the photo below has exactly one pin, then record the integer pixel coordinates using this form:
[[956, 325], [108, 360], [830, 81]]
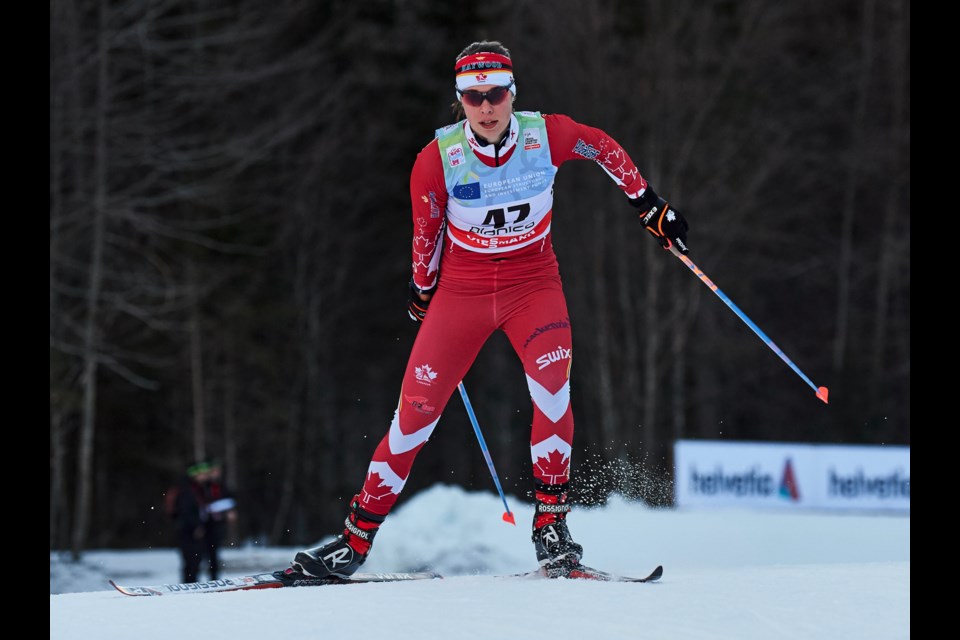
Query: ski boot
[[342, 557], [556, 550]]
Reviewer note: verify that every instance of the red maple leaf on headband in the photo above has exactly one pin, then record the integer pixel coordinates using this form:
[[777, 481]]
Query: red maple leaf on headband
[[481, 77]]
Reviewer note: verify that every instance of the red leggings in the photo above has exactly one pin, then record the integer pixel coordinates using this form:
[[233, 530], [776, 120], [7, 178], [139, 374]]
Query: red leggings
[[521, 295]]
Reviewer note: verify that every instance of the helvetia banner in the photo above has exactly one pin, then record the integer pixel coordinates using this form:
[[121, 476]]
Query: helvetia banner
[[792, 475]]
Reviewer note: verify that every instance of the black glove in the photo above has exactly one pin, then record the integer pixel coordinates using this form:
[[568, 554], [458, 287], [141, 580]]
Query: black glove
[[417, 308], [666, 224]]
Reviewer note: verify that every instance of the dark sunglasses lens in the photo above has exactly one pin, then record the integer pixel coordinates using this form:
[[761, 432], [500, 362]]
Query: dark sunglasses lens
[[495, 96]]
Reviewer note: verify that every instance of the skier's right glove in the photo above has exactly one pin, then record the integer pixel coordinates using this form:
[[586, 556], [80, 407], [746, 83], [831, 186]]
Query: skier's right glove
[[416, 306]]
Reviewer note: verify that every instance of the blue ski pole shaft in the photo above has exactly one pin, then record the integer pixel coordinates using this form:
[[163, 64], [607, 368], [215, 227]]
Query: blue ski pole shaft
[[822, 392], [507, 516]]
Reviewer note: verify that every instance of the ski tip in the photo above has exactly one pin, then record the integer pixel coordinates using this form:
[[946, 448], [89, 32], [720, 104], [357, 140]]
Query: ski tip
[[125, 591], [508, 517], [822, 394], [118, 588]]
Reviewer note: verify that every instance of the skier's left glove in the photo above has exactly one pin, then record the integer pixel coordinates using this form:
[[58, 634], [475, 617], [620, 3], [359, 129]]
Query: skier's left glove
[[417, 306], [666, 224]]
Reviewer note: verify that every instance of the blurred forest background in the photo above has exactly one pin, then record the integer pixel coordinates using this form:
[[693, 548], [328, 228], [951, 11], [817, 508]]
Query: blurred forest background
[[230, 243]]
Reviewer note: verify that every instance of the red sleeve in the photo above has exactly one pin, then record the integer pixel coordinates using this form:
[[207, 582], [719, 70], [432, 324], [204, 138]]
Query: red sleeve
[[428, 197], [570, 140]]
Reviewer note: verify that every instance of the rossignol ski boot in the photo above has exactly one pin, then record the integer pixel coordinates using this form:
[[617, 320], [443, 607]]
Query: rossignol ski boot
[[551, 537], [343, 556]]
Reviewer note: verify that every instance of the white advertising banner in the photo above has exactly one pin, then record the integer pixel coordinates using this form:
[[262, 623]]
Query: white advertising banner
[[791, 475], [864, 477]]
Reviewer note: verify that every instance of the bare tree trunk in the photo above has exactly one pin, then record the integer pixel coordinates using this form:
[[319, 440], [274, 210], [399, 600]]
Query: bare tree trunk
[[303, 289], [606, 394], [848, 213], [629, 380], [654, 335], [57, 436], [58, 452], [662, 62], [291, 468], [230, 429], [678, 367], [899, 52], [328, 418], [196, 365], [709, 380], [82, 505]]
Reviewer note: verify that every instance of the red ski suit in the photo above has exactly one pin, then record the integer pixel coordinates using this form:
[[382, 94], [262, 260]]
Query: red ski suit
[[510, 282]]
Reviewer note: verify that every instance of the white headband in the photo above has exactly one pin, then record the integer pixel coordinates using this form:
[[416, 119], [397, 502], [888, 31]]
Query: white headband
[[485, 68]]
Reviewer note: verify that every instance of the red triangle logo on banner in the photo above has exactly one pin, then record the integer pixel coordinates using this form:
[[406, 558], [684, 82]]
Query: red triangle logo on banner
[[788, 483]]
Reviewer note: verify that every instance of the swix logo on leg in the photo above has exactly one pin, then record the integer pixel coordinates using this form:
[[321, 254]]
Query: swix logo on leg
[[554, 356], [338, 557]]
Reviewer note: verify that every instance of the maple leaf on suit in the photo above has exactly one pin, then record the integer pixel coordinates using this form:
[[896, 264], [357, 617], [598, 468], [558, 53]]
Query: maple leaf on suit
[[375, 487], [554, 467]]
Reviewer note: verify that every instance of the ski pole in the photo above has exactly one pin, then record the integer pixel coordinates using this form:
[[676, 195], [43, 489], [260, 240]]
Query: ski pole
[[507, 516], [821, 391]]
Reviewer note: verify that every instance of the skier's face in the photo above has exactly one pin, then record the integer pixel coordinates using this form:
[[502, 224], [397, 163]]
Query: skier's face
[[487, 120]]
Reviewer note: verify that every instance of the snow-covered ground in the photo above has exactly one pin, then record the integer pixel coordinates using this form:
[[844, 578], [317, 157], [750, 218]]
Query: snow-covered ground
[[737, 575]]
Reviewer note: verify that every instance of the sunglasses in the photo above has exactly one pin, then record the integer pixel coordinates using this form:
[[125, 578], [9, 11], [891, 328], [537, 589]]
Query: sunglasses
[[494, 96]]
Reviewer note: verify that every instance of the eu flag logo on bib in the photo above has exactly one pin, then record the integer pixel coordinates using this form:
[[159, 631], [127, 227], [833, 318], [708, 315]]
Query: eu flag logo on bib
[[469, 191]]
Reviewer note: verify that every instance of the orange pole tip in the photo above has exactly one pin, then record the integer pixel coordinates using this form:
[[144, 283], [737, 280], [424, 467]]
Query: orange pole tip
[[508, 517], [822, 394]]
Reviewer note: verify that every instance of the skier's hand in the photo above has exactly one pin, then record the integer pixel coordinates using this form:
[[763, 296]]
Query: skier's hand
[[665, 223], [419, 302]]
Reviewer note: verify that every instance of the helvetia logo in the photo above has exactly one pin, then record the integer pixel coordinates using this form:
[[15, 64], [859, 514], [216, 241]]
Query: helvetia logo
[[789, 489]]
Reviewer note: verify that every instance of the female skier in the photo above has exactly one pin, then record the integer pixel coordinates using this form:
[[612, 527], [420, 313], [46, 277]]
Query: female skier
[[482, 197]]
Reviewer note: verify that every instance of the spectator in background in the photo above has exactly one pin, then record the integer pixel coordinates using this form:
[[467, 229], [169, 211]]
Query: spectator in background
[[221, 510], [187, 508]]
